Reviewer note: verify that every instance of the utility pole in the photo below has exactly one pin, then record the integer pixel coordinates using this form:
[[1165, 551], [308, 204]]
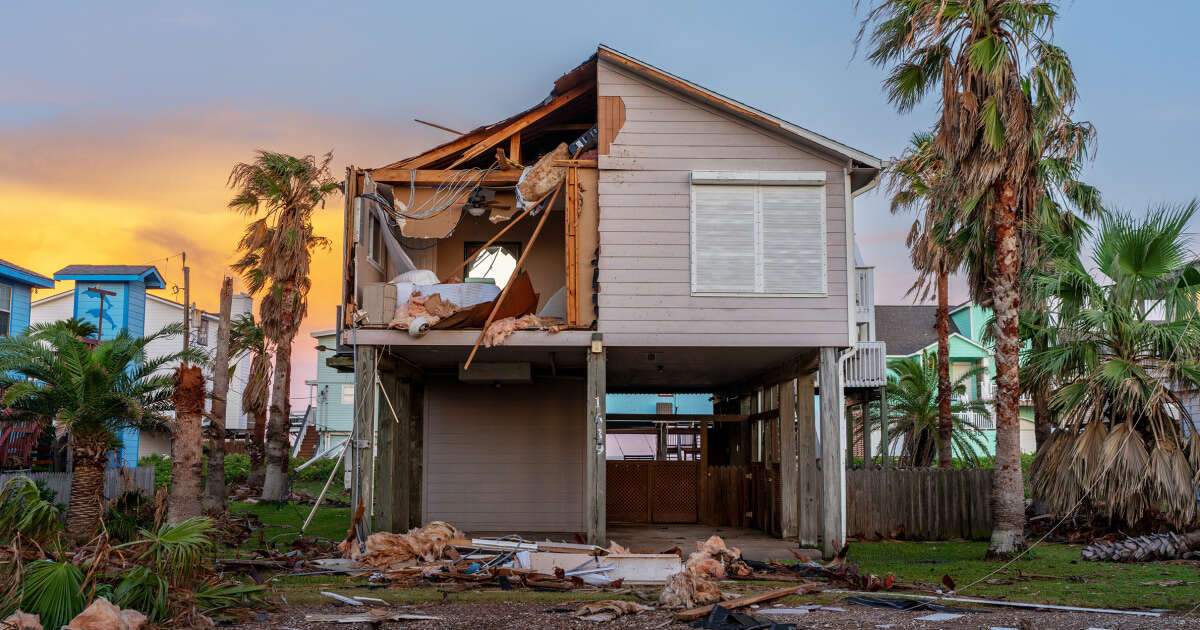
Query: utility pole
[[187, 286]]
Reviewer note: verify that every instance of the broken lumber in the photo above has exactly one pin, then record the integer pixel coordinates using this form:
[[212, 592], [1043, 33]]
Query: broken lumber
[[742, 602], [371, 617]]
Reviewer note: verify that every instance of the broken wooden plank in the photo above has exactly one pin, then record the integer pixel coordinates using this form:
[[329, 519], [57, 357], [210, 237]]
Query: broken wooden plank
[[435, 177], [523, 122], [742, 602]]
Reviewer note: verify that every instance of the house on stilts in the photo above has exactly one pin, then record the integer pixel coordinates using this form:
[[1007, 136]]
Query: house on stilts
[[632, 233]]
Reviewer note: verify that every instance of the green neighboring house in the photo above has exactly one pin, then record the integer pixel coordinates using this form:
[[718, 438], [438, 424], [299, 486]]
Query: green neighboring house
[[910, 330]]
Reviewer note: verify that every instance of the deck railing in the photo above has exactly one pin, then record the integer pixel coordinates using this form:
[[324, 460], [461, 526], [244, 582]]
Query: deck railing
[[864, 293], [868, 366]]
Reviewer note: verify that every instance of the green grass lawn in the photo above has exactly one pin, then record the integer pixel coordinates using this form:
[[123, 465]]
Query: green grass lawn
[[329, 522], [1094, 584]]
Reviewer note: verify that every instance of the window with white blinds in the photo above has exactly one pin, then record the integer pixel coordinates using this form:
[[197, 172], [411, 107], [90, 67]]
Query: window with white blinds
[[757, 234]]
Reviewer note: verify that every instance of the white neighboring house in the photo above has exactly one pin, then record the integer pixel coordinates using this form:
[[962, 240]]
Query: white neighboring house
[[160, 312]]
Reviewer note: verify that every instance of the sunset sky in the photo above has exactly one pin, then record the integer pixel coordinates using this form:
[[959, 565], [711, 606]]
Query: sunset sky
[[119, 122]]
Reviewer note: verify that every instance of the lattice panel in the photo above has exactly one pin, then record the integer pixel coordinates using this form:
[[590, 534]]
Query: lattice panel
[[674, 492], [625, 485]]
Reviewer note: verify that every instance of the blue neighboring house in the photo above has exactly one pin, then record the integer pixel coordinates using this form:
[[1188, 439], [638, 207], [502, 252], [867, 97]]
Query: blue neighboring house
[[16, 292], [113, 298]]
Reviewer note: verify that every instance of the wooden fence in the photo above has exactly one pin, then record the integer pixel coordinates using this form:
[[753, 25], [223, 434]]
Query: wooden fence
[[116, 481], [919, 503]]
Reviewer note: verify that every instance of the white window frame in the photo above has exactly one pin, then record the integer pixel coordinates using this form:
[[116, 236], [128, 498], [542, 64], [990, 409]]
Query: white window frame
[[759, 179], [7, 308], [374, 232]]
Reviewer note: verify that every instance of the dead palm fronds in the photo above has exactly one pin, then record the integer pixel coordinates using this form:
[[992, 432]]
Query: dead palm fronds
[[1128, 338]]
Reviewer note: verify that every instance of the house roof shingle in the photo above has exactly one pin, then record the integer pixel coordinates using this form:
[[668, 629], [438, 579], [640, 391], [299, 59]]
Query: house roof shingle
[[907, 328], [148, 273], [28, 275]]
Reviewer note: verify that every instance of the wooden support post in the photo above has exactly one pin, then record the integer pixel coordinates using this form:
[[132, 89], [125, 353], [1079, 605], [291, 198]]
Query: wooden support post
[[808, 475], [416, 449], [705, 503], [884, 447], [789, 476], [597, 516], [833, 468], [571, 210], [660, 452], [392, 476], [514, 147], [362, 440]]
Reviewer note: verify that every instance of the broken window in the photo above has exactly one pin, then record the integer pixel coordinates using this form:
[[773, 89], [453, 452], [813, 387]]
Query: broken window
[[375, 240], [495, 263]]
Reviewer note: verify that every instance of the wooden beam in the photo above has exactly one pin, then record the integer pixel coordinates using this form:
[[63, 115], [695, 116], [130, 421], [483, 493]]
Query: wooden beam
[[680, 417], [833, 465], [363, 438], [742, 602], [788, 474], [595, 488], [523, 122], [769, 414], [578, 163], [808, 504], [571, 230], [514, 147], [404, 176], [439, 153]]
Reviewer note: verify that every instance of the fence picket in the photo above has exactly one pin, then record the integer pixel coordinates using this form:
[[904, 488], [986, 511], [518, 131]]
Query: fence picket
[[930, 504]]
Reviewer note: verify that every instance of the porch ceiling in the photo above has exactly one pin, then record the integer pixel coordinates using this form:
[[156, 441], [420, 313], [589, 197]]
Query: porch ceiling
[[696, 369]]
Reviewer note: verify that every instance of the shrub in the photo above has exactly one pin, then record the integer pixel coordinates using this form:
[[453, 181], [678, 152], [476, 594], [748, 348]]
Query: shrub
[[162, 468], [127, 514], [237, 468], [318, 471]]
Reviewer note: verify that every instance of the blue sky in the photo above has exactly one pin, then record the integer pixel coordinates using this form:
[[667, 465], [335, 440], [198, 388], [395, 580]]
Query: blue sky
[[127, 116]]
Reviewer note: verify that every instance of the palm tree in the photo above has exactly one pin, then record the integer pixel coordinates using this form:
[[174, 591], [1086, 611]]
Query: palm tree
[[89, 394], [280, 193], [1128, 339], [913, 421], [914, 180], [245, 336], [1006, 98]]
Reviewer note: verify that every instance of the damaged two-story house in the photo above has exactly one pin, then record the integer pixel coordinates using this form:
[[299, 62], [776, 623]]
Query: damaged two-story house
[[691, 244]]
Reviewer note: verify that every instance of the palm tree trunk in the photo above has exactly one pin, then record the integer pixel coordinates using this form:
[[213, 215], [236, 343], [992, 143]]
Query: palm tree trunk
[[184, 501], [87, 487], [945, 425], [277, 427], [256, 450], [1008, 490], [214, 488]]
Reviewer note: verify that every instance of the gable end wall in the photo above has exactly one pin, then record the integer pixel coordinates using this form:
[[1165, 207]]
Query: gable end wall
[[645, 197]]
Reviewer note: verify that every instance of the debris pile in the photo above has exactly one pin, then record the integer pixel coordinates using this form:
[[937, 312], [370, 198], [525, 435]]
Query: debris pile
[[427, 544]]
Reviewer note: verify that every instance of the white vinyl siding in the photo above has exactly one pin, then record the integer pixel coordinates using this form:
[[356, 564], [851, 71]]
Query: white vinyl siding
[[756, 237]]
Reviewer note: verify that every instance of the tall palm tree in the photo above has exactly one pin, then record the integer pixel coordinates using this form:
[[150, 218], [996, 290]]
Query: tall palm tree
[[1128, 339], [913, 393], [89, 394], [914, 179], [1006, 94], [279, 192], [246, 337]]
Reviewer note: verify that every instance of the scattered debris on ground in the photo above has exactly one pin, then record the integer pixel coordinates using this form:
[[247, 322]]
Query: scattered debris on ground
[[1169, 546]]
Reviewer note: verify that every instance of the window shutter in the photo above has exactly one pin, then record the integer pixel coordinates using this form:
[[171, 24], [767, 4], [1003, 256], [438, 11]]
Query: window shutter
[[793, 239], [723, 239]]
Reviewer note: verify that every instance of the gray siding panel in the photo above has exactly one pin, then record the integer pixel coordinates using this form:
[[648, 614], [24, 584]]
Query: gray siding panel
[[645, 198], [505, 459]]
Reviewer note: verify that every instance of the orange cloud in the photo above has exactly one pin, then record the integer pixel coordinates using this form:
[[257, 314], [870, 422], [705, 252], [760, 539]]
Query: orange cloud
[[124, 189]]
